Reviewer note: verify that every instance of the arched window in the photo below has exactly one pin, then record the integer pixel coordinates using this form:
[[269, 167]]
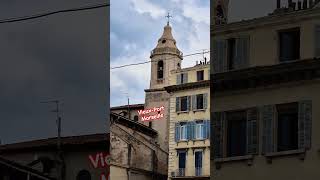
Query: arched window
[[84, 175], [135, 118], [160, 69]]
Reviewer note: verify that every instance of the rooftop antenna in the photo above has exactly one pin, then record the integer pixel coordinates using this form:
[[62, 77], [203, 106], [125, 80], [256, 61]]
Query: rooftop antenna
[[58, 122]]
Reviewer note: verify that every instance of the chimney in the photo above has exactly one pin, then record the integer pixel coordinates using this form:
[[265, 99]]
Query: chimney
[[305, 4], [205, 60], [196, 62], [278, 4], [299, 5]]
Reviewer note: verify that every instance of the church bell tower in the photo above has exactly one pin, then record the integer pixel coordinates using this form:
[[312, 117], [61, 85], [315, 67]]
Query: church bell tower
[[165, 57]]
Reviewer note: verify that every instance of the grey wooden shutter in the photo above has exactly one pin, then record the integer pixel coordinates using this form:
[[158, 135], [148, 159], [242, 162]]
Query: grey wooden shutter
[[194, 102], [305, 124], [317, 41], [252, 131], [185, 78], [268, 124], [177, 132], [179, 79], [218, 130], [206, 132], [188, 103], [177, 104], [205, 100], [189, 134], [193, 127], [242, 53], [219, 54]]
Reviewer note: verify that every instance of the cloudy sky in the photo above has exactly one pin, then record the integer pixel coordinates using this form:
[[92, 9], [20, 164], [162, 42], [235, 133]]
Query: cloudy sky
[[63, 56], [136, 26]]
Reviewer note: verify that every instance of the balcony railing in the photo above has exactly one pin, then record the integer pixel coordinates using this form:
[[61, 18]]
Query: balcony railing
[[198, 171], [181, 172]]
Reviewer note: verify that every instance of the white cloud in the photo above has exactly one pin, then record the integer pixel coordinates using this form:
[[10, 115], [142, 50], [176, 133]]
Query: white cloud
[[144, 6]]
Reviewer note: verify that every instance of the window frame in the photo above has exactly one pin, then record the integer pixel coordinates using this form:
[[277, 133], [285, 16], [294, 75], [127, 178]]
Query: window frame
[[276, 122], [279, 43], [201, 74], [199, 128], [183, 126]]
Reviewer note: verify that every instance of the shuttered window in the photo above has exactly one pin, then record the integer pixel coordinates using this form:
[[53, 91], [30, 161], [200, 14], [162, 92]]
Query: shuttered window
[[234, 133], [241, 59], [182, 78], [183, 104], [290, 124], [199, 101]]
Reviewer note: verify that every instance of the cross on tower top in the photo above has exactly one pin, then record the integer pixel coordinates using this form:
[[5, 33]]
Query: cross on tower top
[[168, 17]]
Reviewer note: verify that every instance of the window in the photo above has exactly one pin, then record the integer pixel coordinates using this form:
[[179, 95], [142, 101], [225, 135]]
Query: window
[[289, 45], [135, 118], [198, 162], [200, 101], [236, 133], [160, 70], [231, 52], [182, 78], [200, 75], [287, 131], [182, 163], [84, 175], [199, 130], [183, 132], [184, 103]]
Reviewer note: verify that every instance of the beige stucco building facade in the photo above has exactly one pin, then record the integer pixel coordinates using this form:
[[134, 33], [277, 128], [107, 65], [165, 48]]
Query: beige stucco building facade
[[266, 96], [189, 132]]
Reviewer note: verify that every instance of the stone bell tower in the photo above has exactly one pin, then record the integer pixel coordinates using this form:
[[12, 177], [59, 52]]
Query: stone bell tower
[[165, 57]]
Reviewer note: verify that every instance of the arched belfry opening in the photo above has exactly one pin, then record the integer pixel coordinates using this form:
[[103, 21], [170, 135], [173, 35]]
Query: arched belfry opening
[[160, 69]]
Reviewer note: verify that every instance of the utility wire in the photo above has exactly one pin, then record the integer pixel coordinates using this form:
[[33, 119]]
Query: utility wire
[[35, 16], [145, 62]]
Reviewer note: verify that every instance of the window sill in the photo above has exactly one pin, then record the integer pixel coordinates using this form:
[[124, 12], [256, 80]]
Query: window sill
[[219, 161], [236, 158], [182, 112], [199, 110], [299, 152]]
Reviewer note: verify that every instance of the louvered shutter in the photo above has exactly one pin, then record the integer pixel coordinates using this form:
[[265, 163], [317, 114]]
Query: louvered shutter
[[194, 102], [193, 130], [268, 124], [252, 131], [205, 100], [241, 59], [179, 79], [206, 129], [177, 104], [177, 132], [218, 130], [185, 78], [317, 41], [188, 103], [305, 124], [219, 54], [189, 130]]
